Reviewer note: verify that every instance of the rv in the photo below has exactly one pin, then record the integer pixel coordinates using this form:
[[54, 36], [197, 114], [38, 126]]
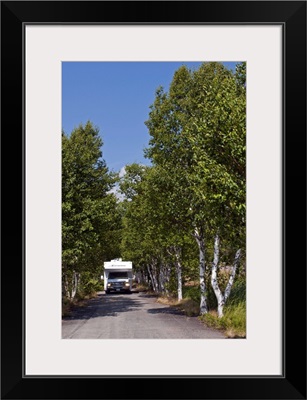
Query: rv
[[118, 276]]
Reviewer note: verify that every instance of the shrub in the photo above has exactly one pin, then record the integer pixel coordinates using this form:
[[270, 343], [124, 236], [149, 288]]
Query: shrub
[[91, 286], [191, 292]]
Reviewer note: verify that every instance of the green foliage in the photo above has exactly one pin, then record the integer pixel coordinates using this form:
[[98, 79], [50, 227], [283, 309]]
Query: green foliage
[[130, 183], [198, 134], [90, 284], [241, 76], [238, 292], [91, 223], [197, 180], [191, 292]]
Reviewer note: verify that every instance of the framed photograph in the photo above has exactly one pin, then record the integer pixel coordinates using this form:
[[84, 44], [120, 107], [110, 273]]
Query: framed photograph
[[51, 52]]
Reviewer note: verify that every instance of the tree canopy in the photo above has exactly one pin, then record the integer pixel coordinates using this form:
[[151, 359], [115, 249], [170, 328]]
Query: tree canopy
[[183, 216]]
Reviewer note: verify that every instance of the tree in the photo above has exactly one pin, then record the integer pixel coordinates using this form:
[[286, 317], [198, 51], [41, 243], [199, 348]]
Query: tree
[[133, 245], [221, 160], [153, 237], [220, 296], [89, 217], [198, 137], [168, 231]]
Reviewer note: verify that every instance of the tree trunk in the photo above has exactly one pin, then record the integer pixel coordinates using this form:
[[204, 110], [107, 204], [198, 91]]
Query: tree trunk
[[233, 274], [153, 276], [167, 277], [162, 279], [74, 284], [214, 283], [220, 297], [179, 272], [143, 277], [65, 285], [202, 268]]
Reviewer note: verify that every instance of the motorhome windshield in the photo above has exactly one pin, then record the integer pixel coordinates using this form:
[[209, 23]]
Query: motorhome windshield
[[118, 275]]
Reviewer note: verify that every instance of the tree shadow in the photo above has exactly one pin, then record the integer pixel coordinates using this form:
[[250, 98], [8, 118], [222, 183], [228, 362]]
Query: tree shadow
[[149, 296], [165, 310], [104, 306]]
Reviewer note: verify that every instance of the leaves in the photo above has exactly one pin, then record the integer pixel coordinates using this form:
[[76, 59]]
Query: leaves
[[198, 137], [89, 212]]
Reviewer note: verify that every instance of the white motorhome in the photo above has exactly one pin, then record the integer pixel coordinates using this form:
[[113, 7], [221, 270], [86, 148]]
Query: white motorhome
[[118, 276]]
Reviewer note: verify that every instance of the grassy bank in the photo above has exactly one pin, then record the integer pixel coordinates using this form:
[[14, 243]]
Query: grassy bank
[[233, 323]]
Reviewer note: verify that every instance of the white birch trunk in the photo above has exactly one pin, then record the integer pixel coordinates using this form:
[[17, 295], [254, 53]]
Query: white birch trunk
[[220, 297], [162, 279], [65, 287], [179, 279], [214, 283], [167, 277], [151, 277], [74, 284], [232, 274], [155, 276], [202, 267], [179, 273]]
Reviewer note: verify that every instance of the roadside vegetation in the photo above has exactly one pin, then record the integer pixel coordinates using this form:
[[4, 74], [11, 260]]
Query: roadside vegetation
[[181, 220], [84, 293], [233, 323]]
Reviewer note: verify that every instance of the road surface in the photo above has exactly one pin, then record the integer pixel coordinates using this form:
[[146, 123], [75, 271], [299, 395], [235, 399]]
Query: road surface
[[132, 316]]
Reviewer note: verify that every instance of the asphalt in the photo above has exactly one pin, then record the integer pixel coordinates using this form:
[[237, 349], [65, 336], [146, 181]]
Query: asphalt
[[132, 316]]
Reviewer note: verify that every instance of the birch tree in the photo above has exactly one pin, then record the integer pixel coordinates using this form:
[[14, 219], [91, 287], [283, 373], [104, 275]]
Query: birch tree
[[220, 160], [197, 134], [153, 228], [220, 296]]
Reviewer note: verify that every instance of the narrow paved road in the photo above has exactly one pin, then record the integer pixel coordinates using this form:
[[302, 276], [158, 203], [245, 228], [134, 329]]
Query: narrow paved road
[[132, 316]]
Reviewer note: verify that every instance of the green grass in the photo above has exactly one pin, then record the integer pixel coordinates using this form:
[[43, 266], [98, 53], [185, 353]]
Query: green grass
[[233, 323]]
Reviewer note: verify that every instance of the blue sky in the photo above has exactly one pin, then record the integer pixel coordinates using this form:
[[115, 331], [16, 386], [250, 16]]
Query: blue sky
[[115, 97]]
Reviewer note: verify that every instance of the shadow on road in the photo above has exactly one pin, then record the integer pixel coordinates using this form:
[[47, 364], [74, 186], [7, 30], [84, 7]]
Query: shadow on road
[[103, 306], [149, 296], [165, 310]]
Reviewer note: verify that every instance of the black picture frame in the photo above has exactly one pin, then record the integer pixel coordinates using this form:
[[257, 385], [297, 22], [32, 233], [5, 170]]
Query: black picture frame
[[292, 16]]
